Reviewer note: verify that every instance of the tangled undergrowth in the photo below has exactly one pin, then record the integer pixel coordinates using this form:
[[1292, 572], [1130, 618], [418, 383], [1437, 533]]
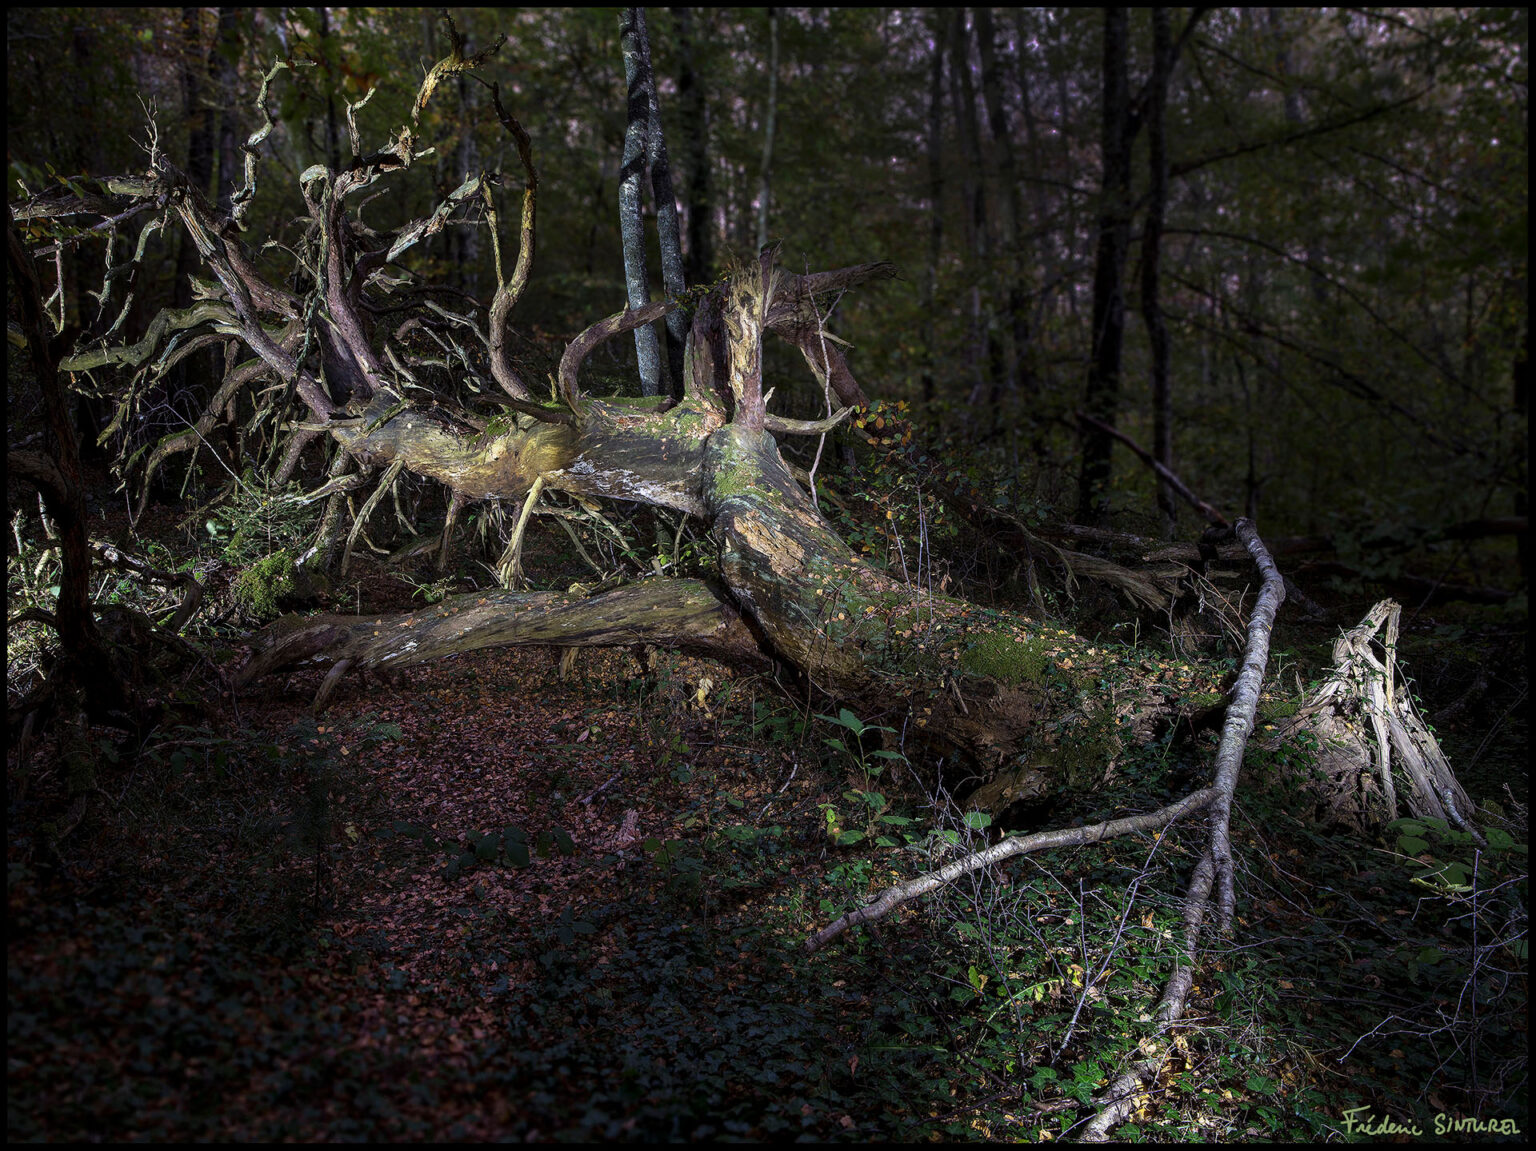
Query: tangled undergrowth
[[515, 897], [508, 905]]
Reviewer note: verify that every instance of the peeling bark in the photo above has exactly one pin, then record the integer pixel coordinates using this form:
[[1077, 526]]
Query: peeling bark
[[687, 614]]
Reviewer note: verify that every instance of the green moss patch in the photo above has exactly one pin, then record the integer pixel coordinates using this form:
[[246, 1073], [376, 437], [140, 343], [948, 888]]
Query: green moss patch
[[263, 586], [1006, 659]]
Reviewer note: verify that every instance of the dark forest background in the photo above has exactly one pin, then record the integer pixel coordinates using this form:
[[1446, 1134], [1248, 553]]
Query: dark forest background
[[1341, 249], [1283, 250]]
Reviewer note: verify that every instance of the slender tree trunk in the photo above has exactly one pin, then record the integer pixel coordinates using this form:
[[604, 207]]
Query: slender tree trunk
[[1018, 370], [764, 189], [58, 477], [632, 40], [226, 80], [979, 352], [699, 263], [1031, 126], [1039, 205], [464, 243], [199, 169], [1101, 398], [1294, 115], [332, 125], [1520, 377], [935, 207], [182, 380], [673, 279], [1151, 257]]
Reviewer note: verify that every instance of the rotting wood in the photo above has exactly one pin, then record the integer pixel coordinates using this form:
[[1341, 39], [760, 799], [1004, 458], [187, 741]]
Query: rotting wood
[[1357, 771]]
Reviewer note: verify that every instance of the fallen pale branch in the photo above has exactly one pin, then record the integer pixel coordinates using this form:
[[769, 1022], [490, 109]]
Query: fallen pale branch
[[893, 897], [1214, 870], [1215, 866]]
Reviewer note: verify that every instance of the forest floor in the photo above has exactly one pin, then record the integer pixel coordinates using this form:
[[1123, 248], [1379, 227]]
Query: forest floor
[[492, 901]]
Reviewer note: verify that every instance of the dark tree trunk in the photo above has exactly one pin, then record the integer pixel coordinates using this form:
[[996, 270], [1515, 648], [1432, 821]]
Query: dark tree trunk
[[198, 117], [935, 207], [226, 80], [981, 352], [332, 125], [1101, 398], [1151, 258], [1520, 377], [633, 42], [1019, 358], [464, 243], [87, 669], [700, 262]]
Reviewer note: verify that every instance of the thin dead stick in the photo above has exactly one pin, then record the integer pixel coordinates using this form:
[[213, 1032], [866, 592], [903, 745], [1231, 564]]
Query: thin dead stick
[[893, 897], [587, 799], [1211, 514]]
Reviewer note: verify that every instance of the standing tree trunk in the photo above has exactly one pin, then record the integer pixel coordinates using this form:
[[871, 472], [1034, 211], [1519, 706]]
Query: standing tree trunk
[[1101, 397], [1019, 358], [1151, 257], [57, 474], [632, 40], [226, 80], [935, 208], [464, 243], [673, 280], [699, 266], [195, 111], [330, 52], [85, 682], [764, 190], [981, 348], [1520, 378]]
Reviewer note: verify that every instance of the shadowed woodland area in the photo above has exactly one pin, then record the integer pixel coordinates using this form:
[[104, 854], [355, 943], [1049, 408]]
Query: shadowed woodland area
[[754, 573]]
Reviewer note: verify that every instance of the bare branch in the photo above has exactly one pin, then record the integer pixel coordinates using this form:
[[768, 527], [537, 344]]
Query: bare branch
[[1211, 514], [450, 65], [508, 292], [781, 425], [617, 324], [893, 897], [1215, 866]]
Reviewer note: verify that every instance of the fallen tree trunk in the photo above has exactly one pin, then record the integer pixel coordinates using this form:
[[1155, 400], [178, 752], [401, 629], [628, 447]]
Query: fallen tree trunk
[[686, 614], [320, 367]]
